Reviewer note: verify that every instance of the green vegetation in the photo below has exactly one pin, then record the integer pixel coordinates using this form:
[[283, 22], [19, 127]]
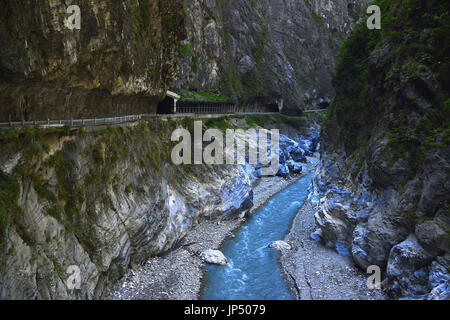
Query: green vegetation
[[418, 35], [98, 155], [318, 18], [66, 130], [64, 200], [142, 23], [194, 64], [352, 13], [352, 79], [143, 14], [42, 188], [11, 135], [185, 50], [218, 123], [9, 208], [32, 143], [128, 189], [258, 49], [60, 162], [252, 121], [203, 96], [53, 212]]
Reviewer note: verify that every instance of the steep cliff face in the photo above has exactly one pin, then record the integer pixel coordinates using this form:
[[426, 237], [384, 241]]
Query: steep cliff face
[[271, 49], [123, 48], [102, 201], [125, 55], [384, 182]]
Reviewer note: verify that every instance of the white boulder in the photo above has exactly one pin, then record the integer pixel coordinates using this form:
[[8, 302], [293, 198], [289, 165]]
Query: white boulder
[[214, 257], [279, 245]]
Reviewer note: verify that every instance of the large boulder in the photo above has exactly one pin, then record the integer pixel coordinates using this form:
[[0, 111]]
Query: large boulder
[[294, 167], [334, 229], [283, 171], [306, 146], [315, 140], [214, 257], [374, 239], [279, 245], [407, 269], [297, 154], [439, 280], [317, 235], [360, 255], [432, 237], [337, 220], [294, 150]]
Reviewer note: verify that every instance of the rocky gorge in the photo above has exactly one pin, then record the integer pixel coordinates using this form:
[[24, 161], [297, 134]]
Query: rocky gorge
[[107, 204], [109, 199]]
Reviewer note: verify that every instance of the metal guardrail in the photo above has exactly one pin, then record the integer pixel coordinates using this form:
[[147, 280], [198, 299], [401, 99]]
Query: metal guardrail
[[73, 123], [117, 120], [313, 111]]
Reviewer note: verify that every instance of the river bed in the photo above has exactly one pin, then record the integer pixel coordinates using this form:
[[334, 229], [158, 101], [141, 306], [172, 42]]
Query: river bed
[[178, 274], [253, 271]]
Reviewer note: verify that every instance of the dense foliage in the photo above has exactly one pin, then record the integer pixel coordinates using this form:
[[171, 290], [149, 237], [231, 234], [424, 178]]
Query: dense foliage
[[414, 42], [203, 96], [9, 209]]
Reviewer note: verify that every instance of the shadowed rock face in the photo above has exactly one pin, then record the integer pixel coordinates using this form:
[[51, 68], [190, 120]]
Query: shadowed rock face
[[272, 50], [386, 198], [123, 48], [266, 48]]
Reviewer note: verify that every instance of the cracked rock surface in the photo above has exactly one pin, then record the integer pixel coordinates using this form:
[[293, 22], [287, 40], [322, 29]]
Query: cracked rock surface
[[315, 272]]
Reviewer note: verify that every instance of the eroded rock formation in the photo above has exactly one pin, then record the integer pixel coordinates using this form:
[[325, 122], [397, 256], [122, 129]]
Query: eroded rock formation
[[384, 180]]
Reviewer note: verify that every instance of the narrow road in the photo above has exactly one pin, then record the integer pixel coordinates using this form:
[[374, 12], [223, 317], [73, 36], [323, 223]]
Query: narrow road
[[124, 119], [117, 120]]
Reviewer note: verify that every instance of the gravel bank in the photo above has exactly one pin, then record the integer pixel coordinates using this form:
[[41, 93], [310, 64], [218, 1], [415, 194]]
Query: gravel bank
[[315, 272], [177, 274]]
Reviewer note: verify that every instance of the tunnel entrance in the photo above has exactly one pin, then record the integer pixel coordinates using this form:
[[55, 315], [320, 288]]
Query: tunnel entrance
[[272, 107], [169, 104]]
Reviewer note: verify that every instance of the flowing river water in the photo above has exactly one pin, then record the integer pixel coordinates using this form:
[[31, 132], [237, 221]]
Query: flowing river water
[[253, 271]]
